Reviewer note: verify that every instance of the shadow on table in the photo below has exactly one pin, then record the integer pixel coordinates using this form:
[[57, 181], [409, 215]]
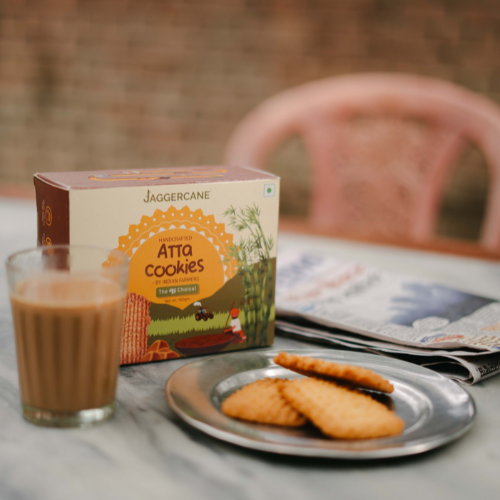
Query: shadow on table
[[222, 447]]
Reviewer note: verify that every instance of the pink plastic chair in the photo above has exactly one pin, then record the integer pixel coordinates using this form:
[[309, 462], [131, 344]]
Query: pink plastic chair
[[376, 169]]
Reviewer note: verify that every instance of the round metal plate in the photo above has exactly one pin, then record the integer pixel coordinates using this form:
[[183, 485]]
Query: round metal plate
[[435, 409]]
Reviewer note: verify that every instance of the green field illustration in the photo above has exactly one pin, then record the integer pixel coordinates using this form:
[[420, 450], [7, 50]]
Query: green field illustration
[[180, 325]]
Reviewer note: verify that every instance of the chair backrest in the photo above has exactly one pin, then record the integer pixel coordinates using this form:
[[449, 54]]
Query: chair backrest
[[387, 178]]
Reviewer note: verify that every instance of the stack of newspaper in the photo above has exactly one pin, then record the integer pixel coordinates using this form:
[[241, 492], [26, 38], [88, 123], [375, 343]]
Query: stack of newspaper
[[354, 306]]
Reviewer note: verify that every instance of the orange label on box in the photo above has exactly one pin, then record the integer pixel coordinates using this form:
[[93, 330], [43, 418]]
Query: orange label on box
[[177, 256]]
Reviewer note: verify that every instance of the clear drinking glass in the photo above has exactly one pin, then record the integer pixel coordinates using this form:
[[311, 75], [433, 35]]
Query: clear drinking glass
[[67, 306]]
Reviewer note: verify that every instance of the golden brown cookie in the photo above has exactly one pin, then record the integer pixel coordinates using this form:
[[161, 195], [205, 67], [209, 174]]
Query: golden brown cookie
[[355, 375], [158, 346], [262, 402], [136, 321], [159, 350], [340, 412]]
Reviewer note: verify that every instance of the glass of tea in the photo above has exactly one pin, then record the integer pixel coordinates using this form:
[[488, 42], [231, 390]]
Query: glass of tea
[[67, 307]]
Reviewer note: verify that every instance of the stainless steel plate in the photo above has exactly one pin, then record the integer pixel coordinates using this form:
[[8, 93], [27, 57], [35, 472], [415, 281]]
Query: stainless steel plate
[[435, 409]]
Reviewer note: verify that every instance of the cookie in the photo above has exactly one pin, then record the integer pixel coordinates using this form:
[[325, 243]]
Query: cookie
[[136, 321], [355, 375], [340, 412], [158, 351], [262, 402]]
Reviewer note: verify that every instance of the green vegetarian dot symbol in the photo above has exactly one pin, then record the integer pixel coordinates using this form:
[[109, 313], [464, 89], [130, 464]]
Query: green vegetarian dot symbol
[[269, 190]]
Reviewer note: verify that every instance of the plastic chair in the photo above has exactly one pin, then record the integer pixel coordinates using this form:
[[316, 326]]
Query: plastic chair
[[384, 176]]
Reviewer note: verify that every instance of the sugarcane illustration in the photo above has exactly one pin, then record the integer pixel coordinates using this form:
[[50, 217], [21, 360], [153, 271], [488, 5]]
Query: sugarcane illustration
[[253, 260]]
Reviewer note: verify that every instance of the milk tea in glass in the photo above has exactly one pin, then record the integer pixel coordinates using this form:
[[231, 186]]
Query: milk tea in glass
[[67, 308]]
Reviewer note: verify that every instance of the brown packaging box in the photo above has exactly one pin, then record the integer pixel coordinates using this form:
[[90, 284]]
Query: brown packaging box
[[202, 243]]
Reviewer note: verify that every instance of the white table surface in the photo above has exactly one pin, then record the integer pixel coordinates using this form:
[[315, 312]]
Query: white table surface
[[147, 453]]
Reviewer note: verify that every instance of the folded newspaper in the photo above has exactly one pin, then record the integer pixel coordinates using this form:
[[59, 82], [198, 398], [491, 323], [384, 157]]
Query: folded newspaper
[[354, 306]]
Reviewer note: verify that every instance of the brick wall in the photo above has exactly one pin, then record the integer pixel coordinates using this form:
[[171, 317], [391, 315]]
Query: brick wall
[[117, 84]]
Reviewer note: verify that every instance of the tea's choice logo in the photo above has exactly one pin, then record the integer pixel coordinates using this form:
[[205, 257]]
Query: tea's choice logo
[[177, 256]]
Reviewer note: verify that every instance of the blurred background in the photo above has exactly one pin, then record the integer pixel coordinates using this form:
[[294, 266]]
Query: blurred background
[[116, 84]]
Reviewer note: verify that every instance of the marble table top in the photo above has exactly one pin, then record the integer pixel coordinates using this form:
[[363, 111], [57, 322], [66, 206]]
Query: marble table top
[[145, 452]]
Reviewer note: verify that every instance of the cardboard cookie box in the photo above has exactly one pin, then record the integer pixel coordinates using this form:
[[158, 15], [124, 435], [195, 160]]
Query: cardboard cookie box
[[202, 243]]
